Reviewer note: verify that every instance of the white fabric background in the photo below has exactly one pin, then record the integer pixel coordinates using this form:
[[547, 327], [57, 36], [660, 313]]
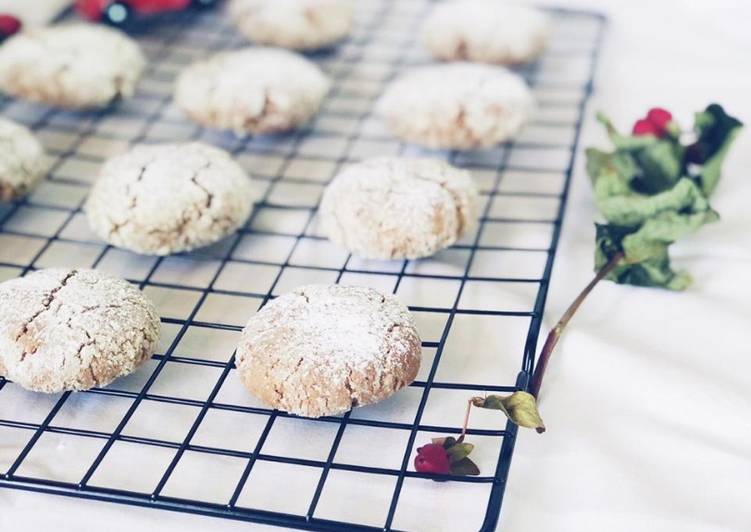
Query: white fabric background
[[647, 401]]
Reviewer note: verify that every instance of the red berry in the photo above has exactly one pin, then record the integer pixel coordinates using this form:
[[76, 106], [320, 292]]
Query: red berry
[[432, 458], [659, 117], [9, 25], [645, 127]]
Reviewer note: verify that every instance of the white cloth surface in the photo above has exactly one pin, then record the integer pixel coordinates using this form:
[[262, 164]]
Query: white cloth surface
[[647, 399]]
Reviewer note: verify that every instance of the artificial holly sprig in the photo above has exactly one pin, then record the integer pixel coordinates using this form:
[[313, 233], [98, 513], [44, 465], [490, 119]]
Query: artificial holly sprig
[[652, 189]]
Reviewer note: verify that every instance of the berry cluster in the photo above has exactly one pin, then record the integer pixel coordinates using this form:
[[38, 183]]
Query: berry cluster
[[655, 123], [8, 25]]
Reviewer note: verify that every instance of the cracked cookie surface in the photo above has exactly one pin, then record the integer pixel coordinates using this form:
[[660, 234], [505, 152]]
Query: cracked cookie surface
[[75, 66], [73, 329], [397, 208], [322, 349], [167, 198], [485, 31], [296, 24], [21, 160], [457, 106], [252, 90]]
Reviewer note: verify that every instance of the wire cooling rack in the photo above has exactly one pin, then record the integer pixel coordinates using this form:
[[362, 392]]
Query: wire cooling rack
[[181, 434]]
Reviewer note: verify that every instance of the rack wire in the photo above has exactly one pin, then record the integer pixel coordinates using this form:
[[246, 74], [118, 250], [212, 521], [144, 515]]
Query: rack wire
[[181, 434]]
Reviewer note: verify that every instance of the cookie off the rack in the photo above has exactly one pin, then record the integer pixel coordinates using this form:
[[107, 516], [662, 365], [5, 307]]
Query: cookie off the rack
[[296, 24], [458, 106], [21, 160], [321, 350], [75, 66], [73, 329], [252, 90], [167, 198], [397, 208]]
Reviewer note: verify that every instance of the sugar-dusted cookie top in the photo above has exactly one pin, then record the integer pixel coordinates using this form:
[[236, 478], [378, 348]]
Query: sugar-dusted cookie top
[[323, 349], [166, 198], [71, 65], [253, 90], [21, 160], [295, 24], [396, 208], [73, 329]]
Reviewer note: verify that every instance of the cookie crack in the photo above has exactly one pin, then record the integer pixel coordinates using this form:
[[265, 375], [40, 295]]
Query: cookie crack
[[194, 180], [46, 305], [132, 199]]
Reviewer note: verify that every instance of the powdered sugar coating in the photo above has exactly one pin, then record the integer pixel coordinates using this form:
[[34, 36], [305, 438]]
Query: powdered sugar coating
[[486, 31], [166, 198], [21, 160], [73, 329], [323, 349], [73, 65], [253, 90], [396, 208], [457, 106], [296, 24]]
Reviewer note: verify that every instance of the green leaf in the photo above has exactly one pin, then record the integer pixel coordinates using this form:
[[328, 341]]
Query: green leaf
[[519, 407], [660, 163], [712, 170], [716, 131], [465, 467], [459, 451], [622, 206], [653, 271], [625, 142]]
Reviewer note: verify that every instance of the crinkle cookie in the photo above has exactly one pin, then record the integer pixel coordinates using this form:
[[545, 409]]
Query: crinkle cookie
[[76, 66], [457, 106], [485, 31], [166, 198], [21, 160], [73, 329], [322, 349], [253, 90], [397, 208], [296, 24]]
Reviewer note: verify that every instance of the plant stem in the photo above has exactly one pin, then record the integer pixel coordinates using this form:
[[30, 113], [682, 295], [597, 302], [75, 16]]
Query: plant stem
[[557, 331], [466, 422]]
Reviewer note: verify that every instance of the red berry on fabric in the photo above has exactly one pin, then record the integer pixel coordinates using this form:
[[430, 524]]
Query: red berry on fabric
[[9, 25], [432, 458], [645, 127], [659, 117]]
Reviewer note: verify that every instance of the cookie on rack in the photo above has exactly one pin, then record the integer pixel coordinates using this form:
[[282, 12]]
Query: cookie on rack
[[21, 160], [167, 198], [485, 31], [458, 106], [73, 329], [252, 91], [76, 66], [295, 24], [321, 350], [398, 208]]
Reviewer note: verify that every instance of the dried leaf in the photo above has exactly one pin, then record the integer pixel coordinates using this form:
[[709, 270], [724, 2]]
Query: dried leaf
[[465, 467], [716, 132], [652, 272], [519, 407], [459, 451], [448, 441]]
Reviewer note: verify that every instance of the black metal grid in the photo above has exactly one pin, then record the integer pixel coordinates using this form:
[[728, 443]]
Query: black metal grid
[[205, 296]]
